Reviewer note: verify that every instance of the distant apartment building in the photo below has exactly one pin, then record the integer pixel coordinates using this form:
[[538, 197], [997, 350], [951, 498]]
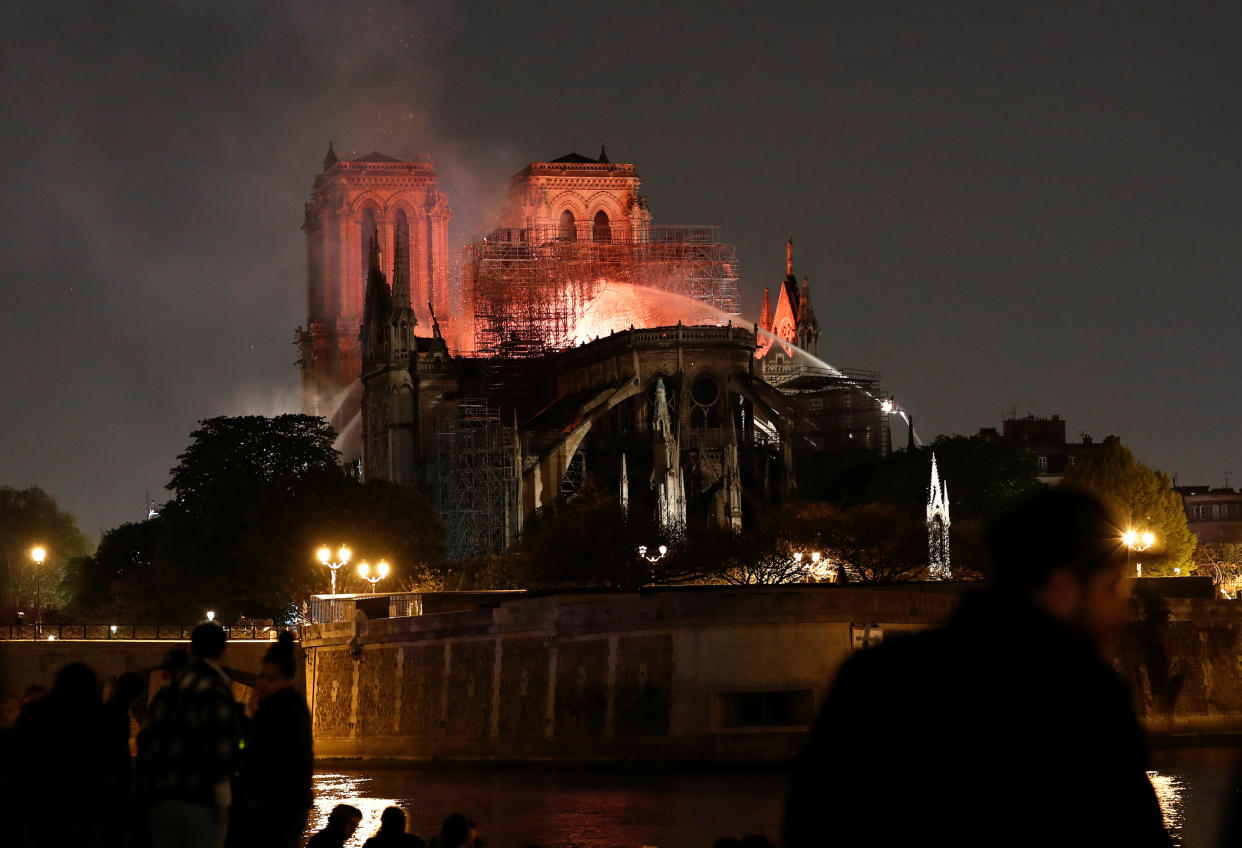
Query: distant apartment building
[[1044, 438], [1214, 515]]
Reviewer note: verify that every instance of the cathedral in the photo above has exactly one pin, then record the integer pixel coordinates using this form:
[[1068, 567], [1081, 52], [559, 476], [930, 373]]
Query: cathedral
[[583, 339], [352, 203]]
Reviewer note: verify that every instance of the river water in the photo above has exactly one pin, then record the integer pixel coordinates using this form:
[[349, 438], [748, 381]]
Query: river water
[[605, 808]]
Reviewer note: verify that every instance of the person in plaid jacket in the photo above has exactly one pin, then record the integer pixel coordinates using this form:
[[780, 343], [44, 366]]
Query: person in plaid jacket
[[188, 751]]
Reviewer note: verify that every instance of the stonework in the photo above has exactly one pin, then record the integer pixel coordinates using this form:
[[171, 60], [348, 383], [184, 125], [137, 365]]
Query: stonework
[[579, 199], [351, 201], [676, 675]]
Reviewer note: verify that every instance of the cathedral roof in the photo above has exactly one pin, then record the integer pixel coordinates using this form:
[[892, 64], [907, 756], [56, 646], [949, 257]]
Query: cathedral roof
[[577, 159], [376, 156]]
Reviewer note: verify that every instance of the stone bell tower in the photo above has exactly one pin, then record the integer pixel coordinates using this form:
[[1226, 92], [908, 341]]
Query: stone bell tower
[[352, 201]]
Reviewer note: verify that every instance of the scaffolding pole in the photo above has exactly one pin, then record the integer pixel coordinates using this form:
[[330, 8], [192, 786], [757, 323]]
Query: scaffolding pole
[[475, 480], [528, 287]]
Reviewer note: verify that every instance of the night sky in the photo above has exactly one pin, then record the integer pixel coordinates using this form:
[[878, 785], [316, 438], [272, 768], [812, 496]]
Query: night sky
[[1031, 205]]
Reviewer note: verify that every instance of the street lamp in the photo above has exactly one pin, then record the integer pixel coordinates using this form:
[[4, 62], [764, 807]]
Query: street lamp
[[1140, 542], [642, 552], [821, 569], [38, 553], [381, 571], [342, 557]]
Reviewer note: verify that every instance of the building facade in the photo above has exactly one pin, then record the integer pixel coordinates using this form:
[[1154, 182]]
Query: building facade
[[353, 202], [1213, 515]]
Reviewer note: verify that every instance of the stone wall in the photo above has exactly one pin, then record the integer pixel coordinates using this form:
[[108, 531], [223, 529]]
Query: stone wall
[[697, 675], [24, 663], [713, 674]]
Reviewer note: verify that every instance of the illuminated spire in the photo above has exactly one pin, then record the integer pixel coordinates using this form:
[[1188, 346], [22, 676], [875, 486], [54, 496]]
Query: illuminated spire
[[789, 258], [939, 566], [625, 488], [330, 159]]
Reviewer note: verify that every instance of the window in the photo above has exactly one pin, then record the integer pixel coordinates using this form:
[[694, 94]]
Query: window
[[367, 234], [601, 231], [401, 241], [569, 227], [1215, 511], [793, 708], [1043, 462]]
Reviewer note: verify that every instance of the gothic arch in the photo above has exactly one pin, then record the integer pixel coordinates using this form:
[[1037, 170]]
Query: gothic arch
[[572, 201], [372, 200], [567, 227], [601, 228], [404, 202], [608, 202]]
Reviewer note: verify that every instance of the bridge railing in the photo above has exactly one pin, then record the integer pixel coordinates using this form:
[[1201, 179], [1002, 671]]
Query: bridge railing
[[103, 632]]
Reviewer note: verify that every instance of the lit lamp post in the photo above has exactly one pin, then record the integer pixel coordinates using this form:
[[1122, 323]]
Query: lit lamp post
[[38, 553], [1138, 542], [642, 552], [342, 557], [822, 571], [381, 571]]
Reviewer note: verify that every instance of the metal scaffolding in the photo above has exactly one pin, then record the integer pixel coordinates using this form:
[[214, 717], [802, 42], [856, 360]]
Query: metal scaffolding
[[475, 480], [528, 287]]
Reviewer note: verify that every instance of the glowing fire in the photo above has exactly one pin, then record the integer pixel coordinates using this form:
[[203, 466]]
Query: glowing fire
[[620, 306]]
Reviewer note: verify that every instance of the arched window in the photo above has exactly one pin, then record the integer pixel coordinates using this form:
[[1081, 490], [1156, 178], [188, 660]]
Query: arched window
[[401, 236], [367, 233], [569, 229], [602, 230]]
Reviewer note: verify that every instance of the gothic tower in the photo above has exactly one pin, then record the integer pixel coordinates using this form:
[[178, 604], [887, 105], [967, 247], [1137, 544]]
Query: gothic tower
[[389, 419], [791, 324], [352, 201], [577, 198], [939, 565]]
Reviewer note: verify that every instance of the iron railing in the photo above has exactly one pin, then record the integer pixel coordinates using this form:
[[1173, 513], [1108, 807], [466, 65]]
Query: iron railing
[[147, 632]]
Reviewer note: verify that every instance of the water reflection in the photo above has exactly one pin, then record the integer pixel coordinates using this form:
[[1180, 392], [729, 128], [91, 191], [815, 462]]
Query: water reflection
[[606, 808], [332, 789], [1169, 792]]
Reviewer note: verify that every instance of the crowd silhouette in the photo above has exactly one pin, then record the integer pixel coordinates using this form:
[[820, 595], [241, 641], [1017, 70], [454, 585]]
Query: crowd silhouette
[[955, 735]]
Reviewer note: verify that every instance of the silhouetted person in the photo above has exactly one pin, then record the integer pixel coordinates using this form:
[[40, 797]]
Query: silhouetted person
[[127, 693], [274, 786], [342, 822], [1007, 726], [64, 752], [457, 831], [391, 833], [187, 751]]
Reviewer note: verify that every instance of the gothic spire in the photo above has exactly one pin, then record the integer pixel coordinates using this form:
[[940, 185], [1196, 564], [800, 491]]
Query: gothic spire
[[603, 156], [375, 309], [806, 313], [765, 317], [330, 159], [789, 257], [400, 272]]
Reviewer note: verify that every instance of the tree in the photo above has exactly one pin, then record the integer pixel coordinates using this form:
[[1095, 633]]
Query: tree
[[586, 543], [377, 519], [230, 466], [1222, 561], [30, 517], [231, 461], [202, 551], [876, 543], [1141, 498], [984, 476]]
